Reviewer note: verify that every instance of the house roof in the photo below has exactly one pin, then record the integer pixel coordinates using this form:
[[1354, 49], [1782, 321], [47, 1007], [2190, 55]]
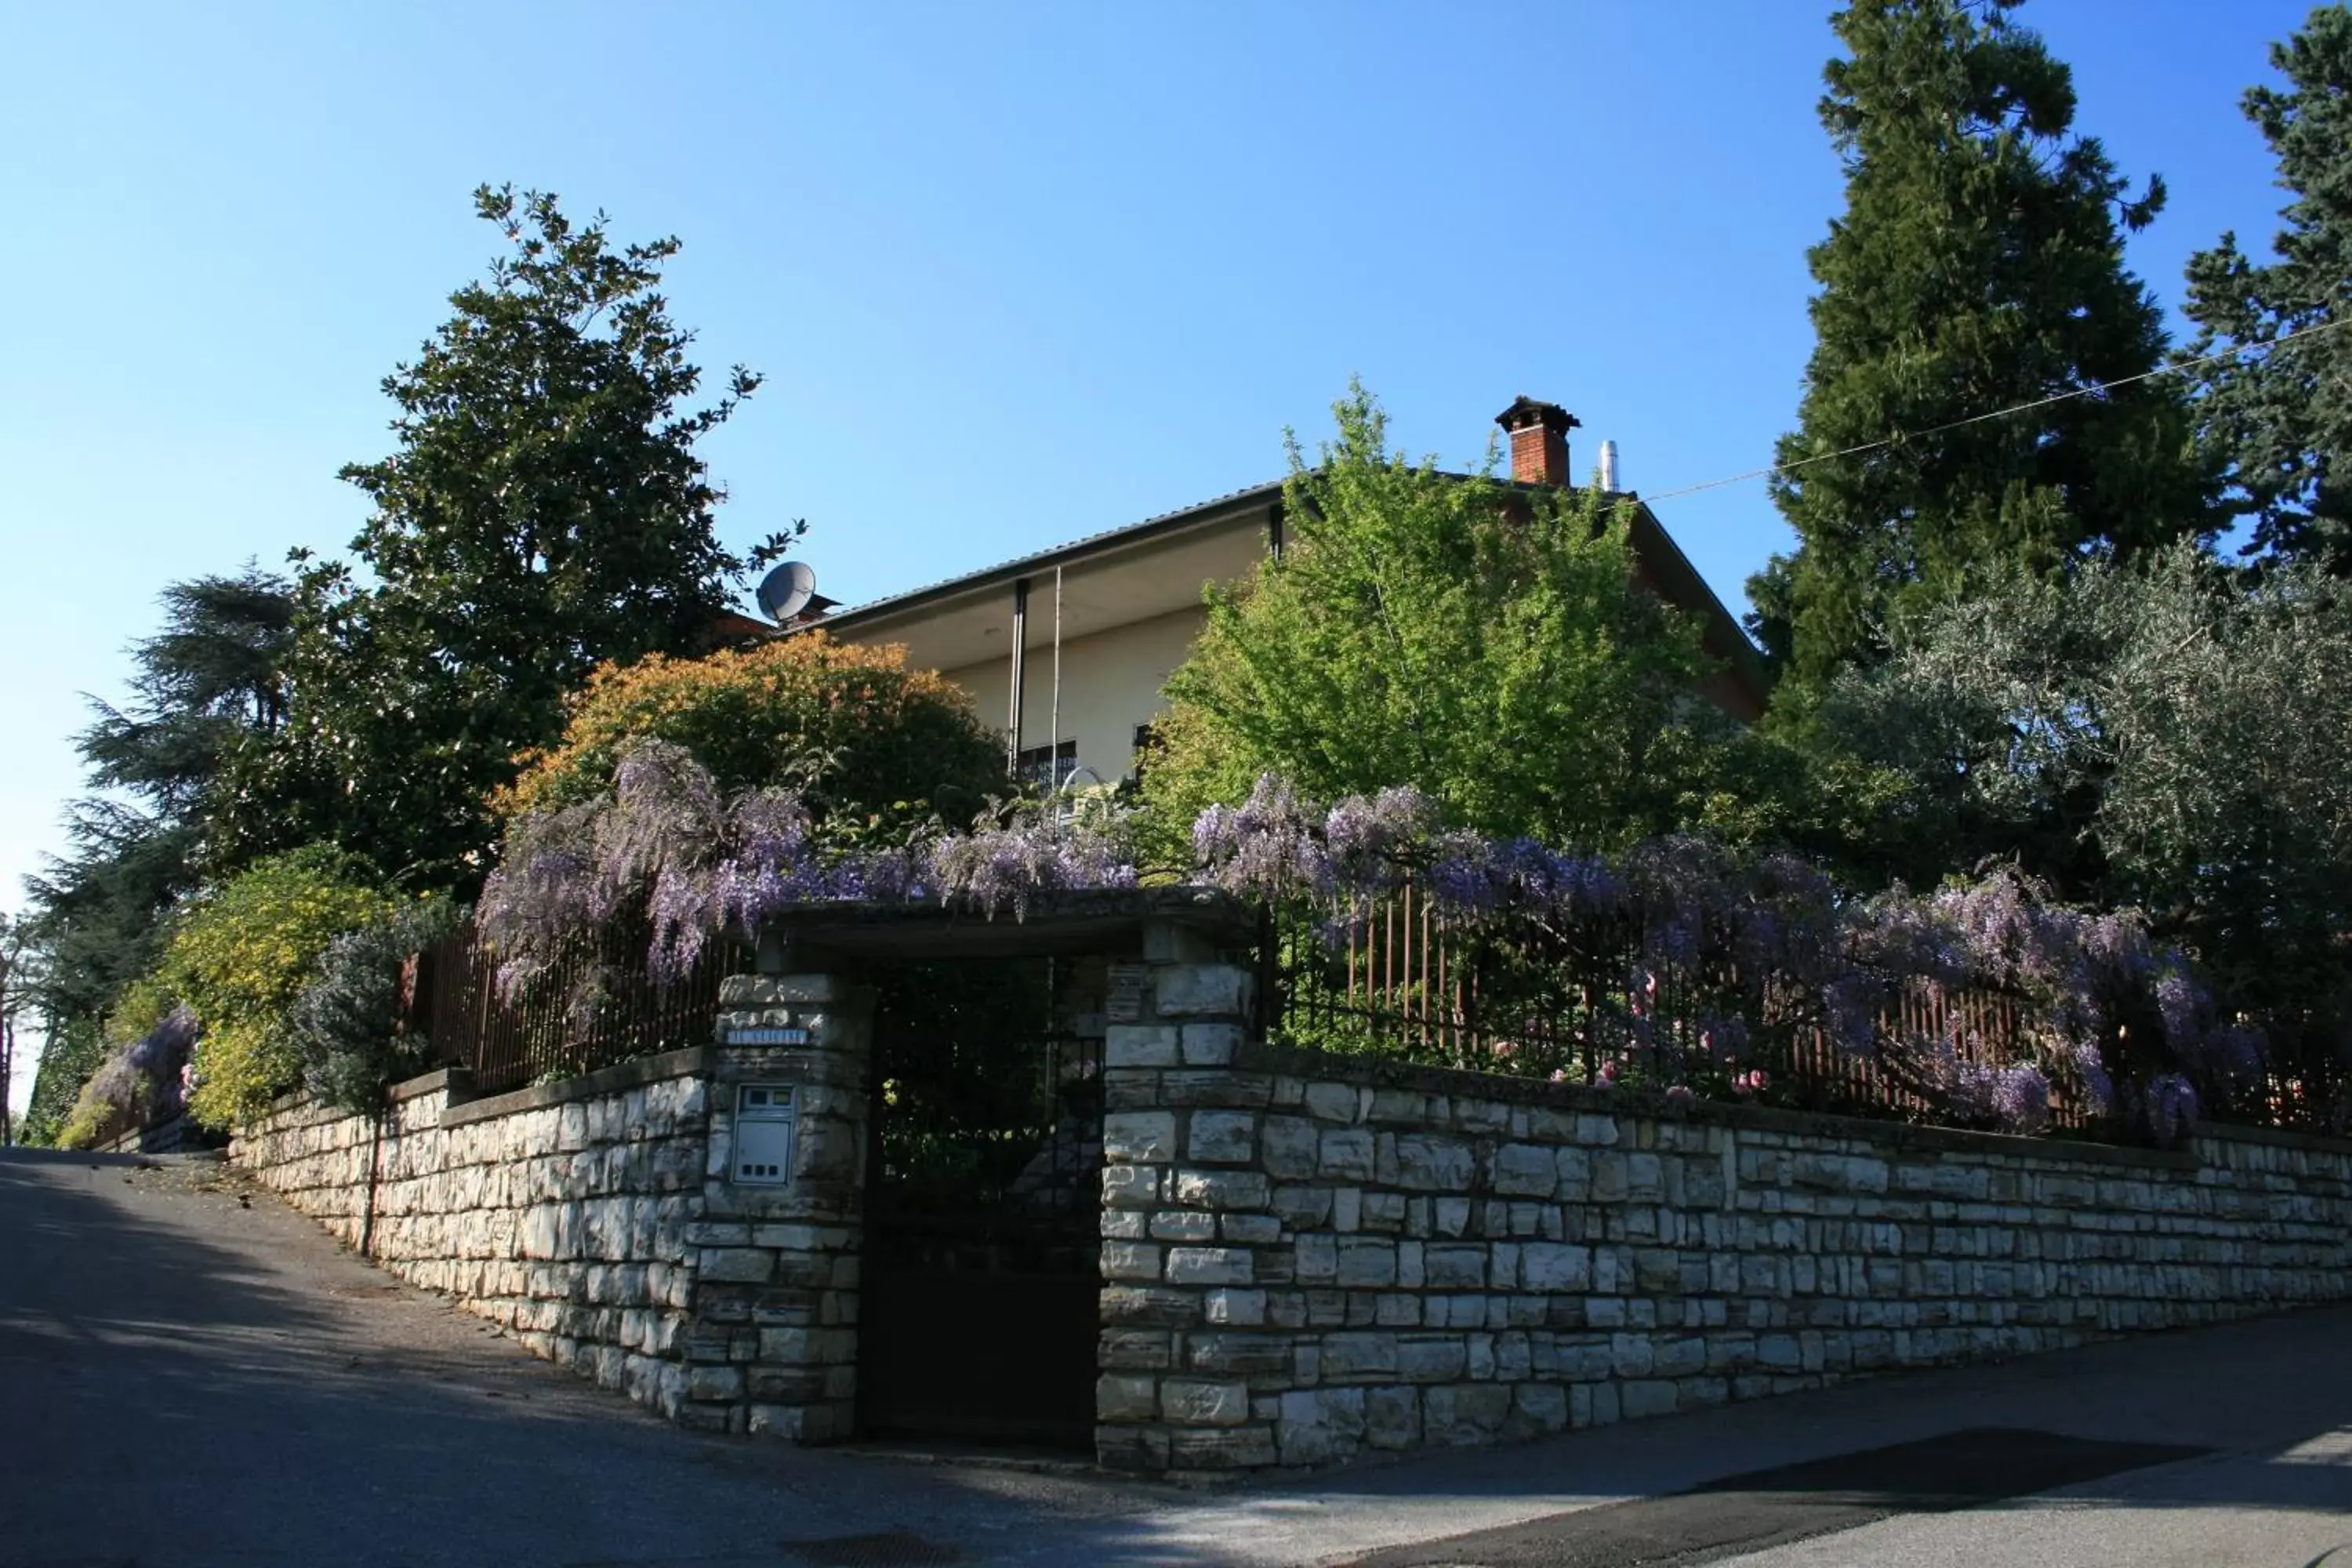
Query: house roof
[[1045, 561], [1669, 571]]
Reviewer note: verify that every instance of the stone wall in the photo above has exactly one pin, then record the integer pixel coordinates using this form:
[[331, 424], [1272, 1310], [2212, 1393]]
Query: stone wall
[[1309, 1257], [1305, 1257], [597, 1219], [173, 1136], [561, 1218]]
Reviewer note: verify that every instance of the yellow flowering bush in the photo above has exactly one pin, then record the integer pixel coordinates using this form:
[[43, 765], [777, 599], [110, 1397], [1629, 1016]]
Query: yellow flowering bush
[[239, 958], [868, 737]]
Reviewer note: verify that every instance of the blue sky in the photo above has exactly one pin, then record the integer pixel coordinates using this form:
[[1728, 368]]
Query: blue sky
[[1015, 272]]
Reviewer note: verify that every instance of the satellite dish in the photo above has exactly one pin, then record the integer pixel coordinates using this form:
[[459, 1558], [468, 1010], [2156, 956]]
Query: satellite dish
[[785, 592]]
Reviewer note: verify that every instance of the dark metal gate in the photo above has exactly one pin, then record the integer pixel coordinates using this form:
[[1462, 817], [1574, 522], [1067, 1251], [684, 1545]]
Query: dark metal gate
[[981, 1280]]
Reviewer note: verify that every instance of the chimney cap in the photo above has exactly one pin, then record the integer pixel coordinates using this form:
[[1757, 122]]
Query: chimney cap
[[1527, 413]]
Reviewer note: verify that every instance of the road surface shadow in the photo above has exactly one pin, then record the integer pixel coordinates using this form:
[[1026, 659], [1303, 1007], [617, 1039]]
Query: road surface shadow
[[1792, 1502]]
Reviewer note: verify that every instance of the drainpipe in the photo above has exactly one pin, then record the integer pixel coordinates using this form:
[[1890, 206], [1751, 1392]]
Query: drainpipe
[[1054, 735], [1020, 672]]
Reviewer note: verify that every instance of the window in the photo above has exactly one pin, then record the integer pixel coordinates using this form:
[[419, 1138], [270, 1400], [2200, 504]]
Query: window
[[1048, 767], [1147, 741]]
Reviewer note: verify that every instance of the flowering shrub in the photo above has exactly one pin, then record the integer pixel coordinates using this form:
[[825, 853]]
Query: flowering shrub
[[343, 1020], [138, 1084], [668, 849], [1680, 958], [239, 960], [1688, 963], [861, 734]]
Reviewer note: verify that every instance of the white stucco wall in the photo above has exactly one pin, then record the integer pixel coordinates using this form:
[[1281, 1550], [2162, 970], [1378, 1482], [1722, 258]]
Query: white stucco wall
[[1110, 683]]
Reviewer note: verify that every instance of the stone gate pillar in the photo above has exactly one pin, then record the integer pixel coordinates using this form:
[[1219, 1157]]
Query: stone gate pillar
[[773, 1345], [1179, 1276]]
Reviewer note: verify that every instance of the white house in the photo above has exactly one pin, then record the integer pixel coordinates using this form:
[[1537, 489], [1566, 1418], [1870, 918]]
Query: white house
[[1068, 648]]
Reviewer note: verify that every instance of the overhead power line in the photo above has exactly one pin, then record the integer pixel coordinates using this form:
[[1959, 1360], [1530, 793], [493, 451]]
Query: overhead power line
[[1771, 468]]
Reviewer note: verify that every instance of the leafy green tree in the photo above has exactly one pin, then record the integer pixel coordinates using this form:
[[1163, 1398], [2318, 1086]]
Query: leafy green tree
[[546, 511], [212, 676], [71, 1050], [14, 978], [2282, 420], [1488, 644], [2169, 735], [1979, 266]]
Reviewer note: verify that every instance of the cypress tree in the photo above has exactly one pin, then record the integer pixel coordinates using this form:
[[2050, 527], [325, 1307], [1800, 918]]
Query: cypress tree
[[2281, 421], [1979, 266]]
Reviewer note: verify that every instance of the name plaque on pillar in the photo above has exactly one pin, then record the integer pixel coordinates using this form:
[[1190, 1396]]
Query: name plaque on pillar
[[767, 1036], [1123, 997]]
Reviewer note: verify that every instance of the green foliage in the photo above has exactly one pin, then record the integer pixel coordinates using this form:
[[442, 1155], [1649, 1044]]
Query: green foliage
[[1979, 266], [1789, 783], [871, 739], [70, 1053], [546, 511], [1488, 644], [215, 673], [138, 1085], [2169, 735], [343, 1021], [209, 676], [240, 957], [2283, 420]]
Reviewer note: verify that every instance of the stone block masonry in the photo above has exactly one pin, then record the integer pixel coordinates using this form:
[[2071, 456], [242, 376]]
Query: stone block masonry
[[560, 1216], [1306, 1257], [597, 1219], [1303, 1258]]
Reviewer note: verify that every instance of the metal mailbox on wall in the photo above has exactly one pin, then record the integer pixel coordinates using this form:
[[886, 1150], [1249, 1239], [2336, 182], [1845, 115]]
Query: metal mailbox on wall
[[766, 1118]]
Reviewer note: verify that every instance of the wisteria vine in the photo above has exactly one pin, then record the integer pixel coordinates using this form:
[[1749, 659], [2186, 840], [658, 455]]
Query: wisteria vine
[[1711, 947], [1707, 955], [668, 848]]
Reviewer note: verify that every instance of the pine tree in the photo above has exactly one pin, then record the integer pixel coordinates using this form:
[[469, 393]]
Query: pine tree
[[1979, 266], [2282, 420], [210, 677]]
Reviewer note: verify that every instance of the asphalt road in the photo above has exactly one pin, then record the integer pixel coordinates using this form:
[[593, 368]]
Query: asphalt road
[[192, 1376]]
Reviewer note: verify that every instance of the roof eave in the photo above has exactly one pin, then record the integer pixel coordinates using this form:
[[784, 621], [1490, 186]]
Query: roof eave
[[1148, 530]]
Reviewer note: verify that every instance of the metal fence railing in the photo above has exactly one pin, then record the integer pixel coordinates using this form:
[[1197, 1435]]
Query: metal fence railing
[[1581, 1006], [596, 1008]]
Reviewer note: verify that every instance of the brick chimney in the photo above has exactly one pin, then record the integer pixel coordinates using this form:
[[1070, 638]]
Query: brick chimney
[[1538, 440]]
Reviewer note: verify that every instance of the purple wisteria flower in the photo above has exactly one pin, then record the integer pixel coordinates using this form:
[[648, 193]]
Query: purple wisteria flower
[[1266, 848], [2179, 1002], [664, 847], [1850, 1007], [682, 907], [1364, 836], [2020, 1097], [1732, 956], [2171, 1107], [2098, 1087]]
